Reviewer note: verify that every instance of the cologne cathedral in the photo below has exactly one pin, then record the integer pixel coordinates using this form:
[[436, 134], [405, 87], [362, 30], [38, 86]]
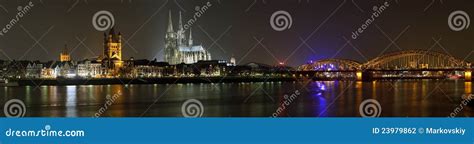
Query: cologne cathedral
[[179, 49]]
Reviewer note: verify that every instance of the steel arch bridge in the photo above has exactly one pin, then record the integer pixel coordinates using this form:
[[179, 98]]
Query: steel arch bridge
[[408, 64], [415, 60], [332, 65], [402, 60]]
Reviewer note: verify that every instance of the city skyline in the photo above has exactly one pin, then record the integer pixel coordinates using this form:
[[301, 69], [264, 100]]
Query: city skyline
[[40, 36], [250, 58]]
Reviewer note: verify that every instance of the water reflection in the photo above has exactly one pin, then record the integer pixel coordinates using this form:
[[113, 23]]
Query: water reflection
[[325, 99], [320, 103], [468, 88], [71, 94]]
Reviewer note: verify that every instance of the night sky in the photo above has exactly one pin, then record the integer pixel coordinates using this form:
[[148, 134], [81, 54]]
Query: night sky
[[239, 28]]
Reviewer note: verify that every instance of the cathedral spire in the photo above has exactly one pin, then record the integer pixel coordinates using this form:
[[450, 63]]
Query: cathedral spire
[[64, 55], [170, 23], [112, 31], [65, 51], [190, 37], [180, 21]]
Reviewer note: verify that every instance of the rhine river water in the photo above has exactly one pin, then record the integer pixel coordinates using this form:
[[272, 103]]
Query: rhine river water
[[407, 98]]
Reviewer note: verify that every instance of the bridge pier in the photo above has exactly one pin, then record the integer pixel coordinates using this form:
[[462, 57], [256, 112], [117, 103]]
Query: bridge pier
[[467, 75], [364, 76], [359, 75]]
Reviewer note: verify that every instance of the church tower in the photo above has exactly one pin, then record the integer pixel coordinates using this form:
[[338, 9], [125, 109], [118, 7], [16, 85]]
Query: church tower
[[181, 35], [64, 55], [171, 43], [113, 49]]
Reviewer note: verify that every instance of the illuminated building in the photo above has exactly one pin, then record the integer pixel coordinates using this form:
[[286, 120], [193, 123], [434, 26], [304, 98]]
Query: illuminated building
[[64, 55], [112, 56], [89, 69], [48, 70], [65, 69], [48, 73], [232, 62], [147, 69], [178, 49], [33, 70], [210, 68]]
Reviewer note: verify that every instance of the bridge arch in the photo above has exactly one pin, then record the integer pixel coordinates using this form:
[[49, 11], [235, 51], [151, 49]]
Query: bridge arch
[[415, 59], [331, 64]]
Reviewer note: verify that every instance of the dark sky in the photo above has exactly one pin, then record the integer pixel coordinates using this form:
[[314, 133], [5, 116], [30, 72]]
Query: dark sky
[[237, 26]]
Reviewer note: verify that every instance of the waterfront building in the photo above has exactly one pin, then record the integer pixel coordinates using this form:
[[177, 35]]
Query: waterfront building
[[112, 56], [16, 69], [185, 70], [147, 69], [259, 69], [33, 70], [212, 68], [48, 73], [48, 70], [89, 69], [65, 69], [179, 49]]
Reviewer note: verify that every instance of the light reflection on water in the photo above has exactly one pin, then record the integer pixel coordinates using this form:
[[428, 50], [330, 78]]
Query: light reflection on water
[[71, 95], [318, 99]]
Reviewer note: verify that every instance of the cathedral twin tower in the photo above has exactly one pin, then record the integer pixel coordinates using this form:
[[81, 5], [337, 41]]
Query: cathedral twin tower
[[178, 49]]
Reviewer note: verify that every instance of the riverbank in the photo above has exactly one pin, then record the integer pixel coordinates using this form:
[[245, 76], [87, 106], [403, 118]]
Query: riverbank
[[184, 80], [164, 80]]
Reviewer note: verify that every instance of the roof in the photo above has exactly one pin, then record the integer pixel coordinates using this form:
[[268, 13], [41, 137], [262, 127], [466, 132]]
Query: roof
[[145, 62], [197, 48]]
